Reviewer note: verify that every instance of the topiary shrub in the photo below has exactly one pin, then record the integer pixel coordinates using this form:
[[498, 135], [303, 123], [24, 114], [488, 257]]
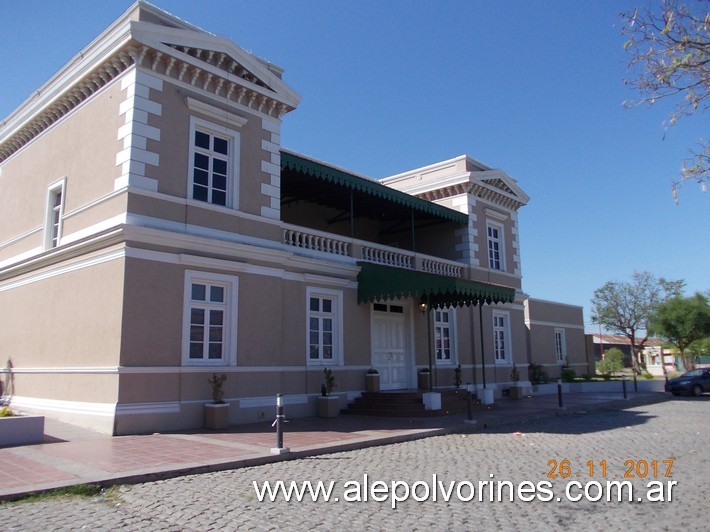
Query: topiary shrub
[[568, 375], [537, 374]]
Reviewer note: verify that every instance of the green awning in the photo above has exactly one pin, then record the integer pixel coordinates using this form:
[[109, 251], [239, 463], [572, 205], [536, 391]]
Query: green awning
[[376, 282], [327, 173]]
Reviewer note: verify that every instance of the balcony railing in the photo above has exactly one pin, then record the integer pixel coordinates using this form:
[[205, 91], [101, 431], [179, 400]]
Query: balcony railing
[[308, 240], [313, 240], [388, 257]]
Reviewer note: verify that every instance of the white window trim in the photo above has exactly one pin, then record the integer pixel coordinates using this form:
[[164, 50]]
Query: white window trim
[[563, 358], [501, 245], [508, 360], [232, 166], [338, 343], [59, 185], [230, 318], [215, 112], [452, 337]]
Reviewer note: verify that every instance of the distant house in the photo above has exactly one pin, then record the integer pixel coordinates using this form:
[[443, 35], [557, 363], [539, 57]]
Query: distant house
[[154, 231], [651, 352]]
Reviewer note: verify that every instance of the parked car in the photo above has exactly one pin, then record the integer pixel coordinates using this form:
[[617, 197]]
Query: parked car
[[694, 382]]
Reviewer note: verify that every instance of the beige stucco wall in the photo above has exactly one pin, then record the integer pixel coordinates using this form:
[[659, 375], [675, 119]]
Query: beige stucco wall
[[80, 147], [542, 318], [65, 319], [174, 146], [271, 331], [61, 331]]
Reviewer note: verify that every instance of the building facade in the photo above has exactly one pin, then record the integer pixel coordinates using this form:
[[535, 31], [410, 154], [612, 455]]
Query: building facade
[[155, 231]]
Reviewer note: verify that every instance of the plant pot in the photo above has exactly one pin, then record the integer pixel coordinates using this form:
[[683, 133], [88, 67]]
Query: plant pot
[[328, 406], [424, 380], [517, 392], [486, 396], [372, 382], [216, 416], [431, 400], [21, 430]]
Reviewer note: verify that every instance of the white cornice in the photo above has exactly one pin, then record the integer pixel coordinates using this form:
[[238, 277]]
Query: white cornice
[[127, 43], [169, 40]]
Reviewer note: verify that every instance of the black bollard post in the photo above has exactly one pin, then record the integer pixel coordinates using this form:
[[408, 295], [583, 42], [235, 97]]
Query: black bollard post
[[559, 393], [469, 405], [636, 388], [279, 421], [623, 384]]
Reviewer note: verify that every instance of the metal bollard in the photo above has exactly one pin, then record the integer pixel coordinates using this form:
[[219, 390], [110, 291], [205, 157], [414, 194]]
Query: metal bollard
[[559, 393], [623, 384], [636, 388], [469, 406], [279, 421]]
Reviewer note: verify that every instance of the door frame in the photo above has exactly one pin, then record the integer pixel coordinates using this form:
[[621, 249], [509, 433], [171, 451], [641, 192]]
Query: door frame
[[407, 306]]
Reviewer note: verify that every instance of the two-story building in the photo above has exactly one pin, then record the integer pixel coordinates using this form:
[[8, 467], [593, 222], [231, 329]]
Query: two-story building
[[154, 231]]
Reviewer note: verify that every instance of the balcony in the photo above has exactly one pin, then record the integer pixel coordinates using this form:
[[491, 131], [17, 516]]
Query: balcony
[[318, 243]]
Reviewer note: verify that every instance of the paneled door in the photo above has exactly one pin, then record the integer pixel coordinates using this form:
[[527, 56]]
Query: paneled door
[[389, 350]]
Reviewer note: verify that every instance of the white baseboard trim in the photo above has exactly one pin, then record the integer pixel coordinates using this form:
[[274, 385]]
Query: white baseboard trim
[[67, 407]]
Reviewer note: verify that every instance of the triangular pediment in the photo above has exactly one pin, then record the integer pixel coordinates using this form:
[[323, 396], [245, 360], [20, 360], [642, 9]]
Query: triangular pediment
[[499, 181], [500, 184], [223, 61], [217, 55]]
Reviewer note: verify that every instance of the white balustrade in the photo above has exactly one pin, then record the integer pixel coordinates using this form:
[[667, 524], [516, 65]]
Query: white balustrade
[[379, 255], [387, 257], [301, 239], [441, 268]]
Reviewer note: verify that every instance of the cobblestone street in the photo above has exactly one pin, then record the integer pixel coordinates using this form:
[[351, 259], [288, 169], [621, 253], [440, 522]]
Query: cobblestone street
[[676, 430]]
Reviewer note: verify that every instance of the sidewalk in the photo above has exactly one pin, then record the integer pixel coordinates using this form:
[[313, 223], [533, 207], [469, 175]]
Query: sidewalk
[[72, 456]]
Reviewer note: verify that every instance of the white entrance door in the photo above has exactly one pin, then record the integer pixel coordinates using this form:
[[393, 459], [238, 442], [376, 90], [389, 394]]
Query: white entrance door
[[389, 353]]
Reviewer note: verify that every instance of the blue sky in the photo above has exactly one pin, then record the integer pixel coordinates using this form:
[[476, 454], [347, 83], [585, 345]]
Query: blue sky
[[532, 87]]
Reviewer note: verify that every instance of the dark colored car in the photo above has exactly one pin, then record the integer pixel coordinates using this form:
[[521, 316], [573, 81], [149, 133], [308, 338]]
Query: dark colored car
[[694, 382]]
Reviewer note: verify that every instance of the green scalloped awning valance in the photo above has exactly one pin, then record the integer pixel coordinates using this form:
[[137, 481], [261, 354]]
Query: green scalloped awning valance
[[339, 177], [376, 282]]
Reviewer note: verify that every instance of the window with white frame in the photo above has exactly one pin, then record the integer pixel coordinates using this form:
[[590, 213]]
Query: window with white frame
[[560, 346], [54, 213], [501, 337], [209, 321], [214, 153], [444, 335], [324, 326], [496, 254]]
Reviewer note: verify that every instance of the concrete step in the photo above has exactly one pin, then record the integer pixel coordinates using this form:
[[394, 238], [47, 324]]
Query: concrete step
[[408, 404]]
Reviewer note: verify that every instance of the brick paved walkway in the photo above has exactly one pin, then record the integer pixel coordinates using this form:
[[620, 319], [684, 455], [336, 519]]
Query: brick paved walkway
[[78, 457], [520, 450]]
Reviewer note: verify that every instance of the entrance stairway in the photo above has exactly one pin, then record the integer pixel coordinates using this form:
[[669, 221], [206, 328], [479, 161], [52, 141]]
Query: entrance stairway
[[408, 403]]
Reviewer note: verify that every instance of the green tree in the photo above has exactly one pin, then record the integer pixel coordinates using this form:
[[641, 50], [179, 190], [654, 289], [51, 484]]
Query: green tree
[[682, 321], [669, 45], [700, 348], [613, 362], [625, 307]]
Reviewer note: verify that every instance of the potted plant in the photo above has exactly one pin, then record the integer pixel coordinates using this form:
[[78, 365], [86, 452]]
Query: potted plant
[[217, 412], [424, 379], [457, 377], [372, 380], [328, 404], [516, 391]]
